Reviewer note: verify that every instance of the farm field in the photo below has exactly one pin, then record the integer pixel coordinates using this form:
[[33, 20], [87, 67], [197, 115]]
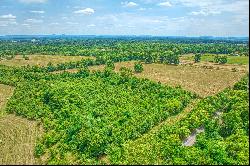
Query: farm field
[[134, 102], [17, 135], [41, 60]]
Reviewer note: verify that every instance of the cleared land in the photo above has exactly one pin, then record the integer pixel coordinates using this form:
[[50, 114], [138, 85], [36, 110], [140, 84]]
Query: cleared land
[[203, 80], [17, 135], [5, 93], [41, 60]]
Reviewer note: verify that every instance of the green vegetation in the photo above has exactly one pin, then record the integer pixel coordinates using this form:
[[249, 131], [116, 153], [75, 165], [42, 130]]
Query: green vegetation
[[113, 117], [87, 115], [221, 59], [138, 67], [241, 60], [197, 58], [110, 64], [225, 140], [25, 57], [117, 50]]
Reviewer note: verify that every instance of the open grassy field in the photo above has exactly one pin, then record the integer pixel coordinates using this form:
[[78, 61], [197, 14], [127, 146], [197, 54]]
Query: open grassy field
[[17, 135], [204, 82], [41, 60], [5, 94], [240, 60]]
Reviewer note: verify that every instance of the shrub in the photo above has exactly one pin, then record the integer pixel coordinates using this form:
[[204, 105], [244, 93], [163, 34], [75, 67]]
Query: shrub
[[148, 59], [125, 72], [85, 72], [10, 57], [234, 69], [110, 64], [221, 59], [197, 58], [173, 59], [25, 57], [138, 67]]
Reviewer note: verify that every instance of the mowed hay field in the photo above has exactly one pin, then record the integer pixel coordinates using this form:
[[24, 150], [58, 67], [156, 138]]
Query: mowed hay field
[[17, 135], [197, 79], [5, 93], [41, 60]]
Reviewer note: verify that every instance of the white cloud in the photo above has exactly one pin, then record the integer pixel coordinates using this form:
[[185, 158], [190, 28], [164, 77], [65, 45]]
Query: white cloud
[[204, 12], [142, 9], [91, 25], [32, 20], [6, 20], [165, 4], [87, 11], [54, 23], [129, 4], [37, 11], [72, 23], [26, 24], [8, 16], [208, 7], [33, 1]]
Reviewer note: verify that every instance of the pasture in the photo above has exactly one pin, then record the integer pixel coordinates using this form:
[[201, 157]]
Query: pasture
[[41, 60]]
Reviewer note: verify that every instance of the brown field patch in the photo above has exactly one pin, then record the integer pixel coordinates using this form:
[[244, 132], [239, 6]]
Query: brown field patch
[[5, 93], [17, 135], [41, 60], [17, 140]]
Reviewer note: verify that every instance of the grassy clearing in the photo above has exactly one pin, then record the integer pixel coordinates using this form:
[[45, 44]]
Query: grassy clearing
[[240, 60], [17, 135], [5, 93], [203, 81], [41, 60], [17, 140]]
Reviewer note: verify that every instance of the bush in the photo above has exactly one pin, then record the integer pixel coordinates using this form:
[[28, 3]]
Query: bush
[[125, 72], [25, 57], [10, 57], [221, 59], [110, 64], [148, 59], [138, 67], [173, 59], [85, 72], [197, 58]]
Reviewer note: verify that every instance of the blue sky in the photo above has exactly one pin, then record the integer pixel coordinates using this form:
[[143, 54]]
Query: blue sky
[[121, 17]]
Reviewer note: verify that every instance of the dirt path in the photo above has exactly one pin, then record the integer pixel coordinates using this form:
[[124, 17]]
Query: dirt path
[[190, 141]]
